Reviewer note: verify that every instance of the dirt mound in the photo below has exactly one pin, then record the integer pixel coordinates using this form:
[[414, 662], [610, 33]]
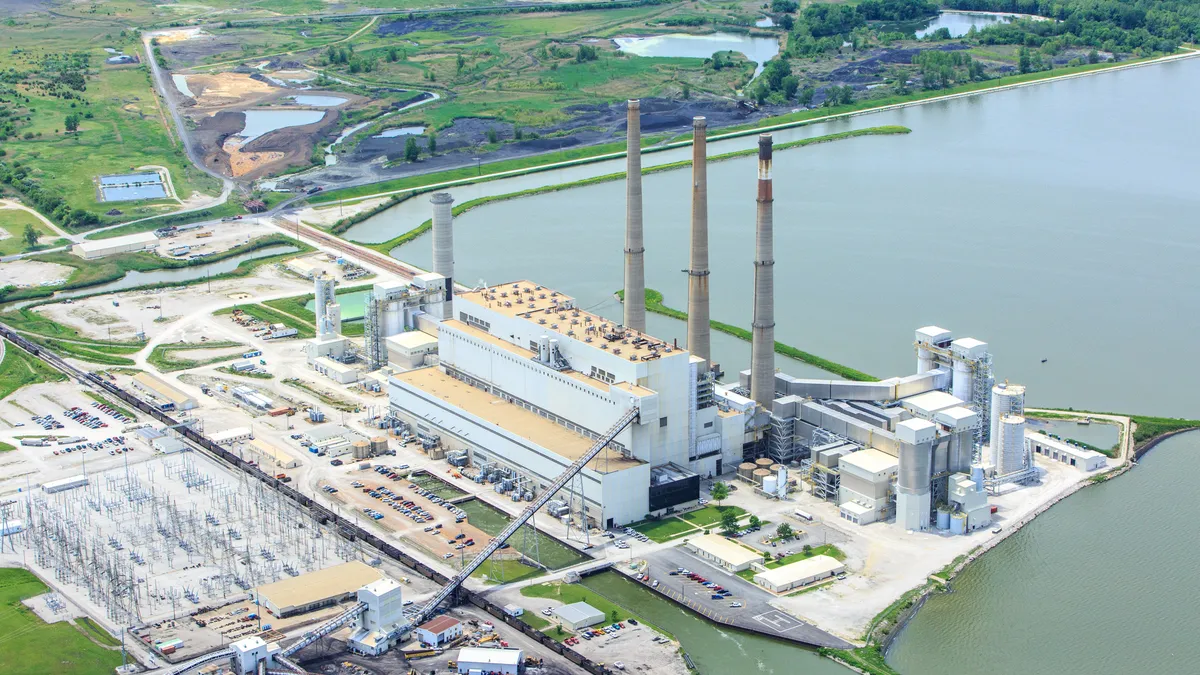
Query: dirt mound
[[227, 89]]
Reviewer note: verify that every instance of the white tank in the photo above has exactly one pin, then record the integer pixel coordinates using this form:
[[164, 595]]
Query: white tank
[[1010, 451], [770, 484], [1007, 399], [961, 384], [782, 478], [924, 360]]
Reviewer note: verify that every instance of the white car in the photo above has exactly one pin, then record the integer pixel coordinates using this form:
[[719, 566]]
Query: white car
[[736, 604]]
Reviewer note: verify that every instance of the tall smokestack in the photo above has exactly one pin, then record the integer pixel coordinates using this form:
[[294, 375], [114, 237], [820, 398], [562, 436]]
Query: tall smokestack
[[698, 315], [762, 345], [635, 265], [443, 235]]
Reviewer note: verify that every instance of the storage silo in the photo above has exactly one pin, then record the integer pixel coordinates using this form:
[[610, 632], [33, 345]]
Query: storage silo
[[759, 475], [361, 449], [958, 523], [943, 518], [763, 463], [379, 445], [916, 438], [782, 477], [770, 484], [774, 468], [746, 470], [1007, 399], [1010, 450]]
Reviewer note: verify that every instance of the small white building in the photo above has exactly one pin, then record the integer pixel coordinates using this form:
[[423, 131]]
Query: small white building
[[799, 573], [99, 248], [168, 396], [1061, 451], [479, 660], [249, 652], [408, 350], [866, 480], [971, 499], [578, 615], [168, 445], [231, 435], [267, 454], [725, 553], [337, 371], [439, 630], [64, 484]]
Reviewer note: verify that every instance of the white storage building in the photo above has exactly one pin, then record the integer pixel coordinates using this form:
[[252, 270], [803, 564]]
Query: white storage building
[[729, 555], [865, 485], [579, 615], [167, 395], [408, 350], [439, 630], [336, 370], [799, 573], [92, 249], [168, 445], [480, 660], [231, 435], [267, 454], [65, 484], [1060, 451]]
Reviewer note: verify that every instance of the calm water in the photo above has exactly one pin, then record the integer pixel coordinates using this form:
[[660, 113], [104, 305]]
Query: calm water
[[716, 650], [960, 23], [759, 50], [987, 220], [352, 304], [1105, 582], [134, 279], [401, 131], [262, 122], [182, 85], [319, 101]]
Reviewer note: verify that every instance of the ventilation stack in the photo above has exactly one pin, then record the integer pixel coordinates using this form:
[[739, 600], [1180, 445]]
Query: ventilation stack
[[698, 313], [443, 235], [635, 250], [762, 346]]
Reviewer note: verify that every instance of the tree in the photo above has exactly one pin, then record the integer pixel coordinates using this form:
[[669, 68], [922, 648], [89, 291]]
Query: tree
[[1023, 60], [72, 122], [491, 136], [411, 151], [613, 615], [807, 549], [754, 521], [687, 91], [806, 97], [783, 6], [460, 63], [720, 492], [432, 143], [1093, 56], [729, 521], [30, 236], [784, 531], [787, 23]]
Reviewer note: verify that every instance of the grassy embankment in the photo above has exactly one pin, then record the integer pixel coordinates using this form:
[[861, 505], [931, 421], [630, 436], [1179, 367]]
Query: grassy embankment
[[163, 359], [90, 273], [571, 593], [773, 563], [33, 647], [5, 447], [19, 369], [67, 341], [386, 247], [654, 304], [295, 306], [127, 127]]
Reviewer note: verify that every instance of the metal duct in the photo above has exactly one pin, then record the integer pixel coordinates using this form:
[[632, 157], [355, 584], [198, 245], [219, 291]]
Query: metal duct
[[916, 467]]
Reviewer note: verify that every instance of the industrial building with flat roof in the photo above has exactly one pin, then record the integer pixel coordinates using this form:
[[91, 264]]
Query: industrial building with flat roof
[[724, 552], [578, 615], [308, 592], [799, 573], [1066, 453], [267, 454], [528, 381], [90, 250], [482, 660], [167, 395]]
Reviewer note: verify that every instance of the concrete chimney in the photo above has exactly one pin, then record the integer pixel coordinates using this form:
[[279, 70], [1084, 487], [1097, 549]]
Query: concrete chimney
[[698, 314], [635, 264], [443, 236], [762, 345]]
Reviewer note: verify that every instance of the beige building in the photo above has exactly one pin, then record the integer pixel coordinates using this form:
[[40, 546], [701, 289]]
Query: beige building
[[312, 591], [799, 573], [728, 554], [99, 248], [167, 395], [267, 454]]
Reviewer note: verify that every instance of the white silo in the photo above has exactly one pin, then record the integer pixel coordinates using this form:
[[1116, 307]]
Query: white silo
[[1010, 451], [324, 296], [782, 477], [969, 354], [770, 484], [929, 336], [916, 438], [1007, 399]]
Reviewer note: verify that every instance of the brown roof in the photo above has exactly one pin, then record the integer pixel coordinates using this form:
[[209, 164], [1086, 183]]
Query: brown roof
[[439, 624]]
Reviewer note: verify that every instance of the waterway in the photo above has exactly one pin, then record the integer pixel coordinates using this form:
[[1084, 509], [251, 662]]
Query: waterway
[[716, 650], [987, 220], [960, 23], [318, 101], [179, 275], [682, 45], [1105, 582]]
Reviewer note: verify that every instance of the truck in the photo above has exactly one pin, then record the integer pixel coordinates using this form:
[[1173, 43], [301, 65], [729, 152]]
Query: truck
[[252, 353]]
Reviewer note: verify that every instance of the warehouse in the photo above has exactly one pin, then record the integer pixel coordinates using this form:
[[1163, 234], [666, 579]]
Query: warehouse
[[729, 555], [578, 615], [266, 454], [65, 484], [408, 350], [799, 573], [475, 659], [438, 631], [307, 592], [168, 445], [167, 396], [252, 398], [1060, 451], [90, 250], [335, 370], [231, 435]]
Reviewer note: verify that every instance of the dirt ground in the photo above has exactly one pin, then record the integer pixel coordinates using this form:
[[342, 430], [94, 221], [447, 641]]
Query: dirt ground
[[331, 214], [221, 90], [21, 273], [224, 236], [242, 163], [295, 143]]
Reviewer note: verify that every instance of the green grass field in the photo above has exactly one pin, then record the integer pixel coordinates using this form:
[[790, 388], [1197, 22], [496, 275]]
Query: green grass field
[[711, 514], [163, 356], [13, 222], [569, 593], [19, 369], [32, 647], [665, 529]]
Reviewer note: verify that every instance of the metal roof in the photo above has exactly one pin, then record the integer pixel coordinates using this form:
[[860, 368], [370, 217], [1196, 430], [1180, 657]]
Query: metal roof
[[330, 582], [579, 613], [439, 624], [495, 657], [818, 565], [141, 238], [870, 460], [720, 547]]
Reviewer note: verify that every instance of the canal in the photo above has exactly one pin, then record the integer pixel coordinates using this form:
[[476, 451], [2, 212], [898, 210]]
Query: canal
[[179, 275]]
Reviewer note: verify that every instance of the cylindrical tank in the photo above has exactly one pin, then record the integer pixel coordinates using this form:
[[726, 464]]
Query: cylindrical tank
[[1007, 399], [916, 466], [1011, 448], [781, 477], [961, 384], [943, 518], [958, 523], [759, 475], [379, 445], [361, 449], [924, 360], [770, 484], [775, 467], [746, 470], [977, 476], [763, 463]]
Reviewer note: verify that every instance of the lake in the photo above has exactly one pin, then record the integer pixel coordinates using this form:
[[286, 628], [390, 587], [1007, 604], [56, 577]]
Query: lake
[[401, 131], [318, 101], [959, 23], [262, 122], [178, 275], [682, 45]]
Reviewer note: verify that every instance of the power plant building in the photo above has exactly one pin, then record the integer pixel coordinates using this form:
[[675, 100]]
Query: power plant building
[[1061, 451]]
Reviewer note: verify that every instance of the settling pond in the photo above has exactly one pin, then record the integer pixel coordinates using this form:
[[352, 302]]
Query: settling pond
[[262, 122], [682, 45], [133, 279]]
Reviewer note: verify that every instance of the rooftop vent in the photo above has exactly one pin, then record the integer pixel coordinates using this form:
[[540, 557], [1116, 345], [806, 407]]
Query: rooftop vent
[[541, 321], [589, 339]]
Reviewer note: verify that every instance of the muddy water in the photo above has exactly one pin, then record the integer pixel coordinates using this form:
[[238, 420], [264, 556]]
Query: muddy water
[[134, 279]]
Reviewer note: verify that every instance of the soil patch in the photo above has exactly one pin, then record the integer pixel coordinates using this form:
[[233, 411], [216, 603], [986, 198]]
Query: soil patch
[[441, 25], [228, 89], [22, 273]]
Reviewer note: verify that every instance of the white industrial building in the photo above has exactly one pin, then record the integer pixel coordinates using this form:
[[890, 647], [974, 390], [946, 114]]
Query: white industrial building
[[378, 628], [64, 484], [395, 307], [438, 631], [168, 445], [1060, 451], [799, 573], [342, 373], [91, 249], [410, 349], [866, 485], [231, 435], [528, 380], [482, 661], [269, 455], [167, 396], [725, 553], [578, 615]]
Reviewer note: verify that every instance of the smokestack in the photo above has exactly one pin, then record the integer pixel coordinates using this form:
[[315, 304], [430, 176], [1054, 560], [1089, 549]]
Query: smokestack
[[635, 266], [762, 345], [698, 315], [443, 236]]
